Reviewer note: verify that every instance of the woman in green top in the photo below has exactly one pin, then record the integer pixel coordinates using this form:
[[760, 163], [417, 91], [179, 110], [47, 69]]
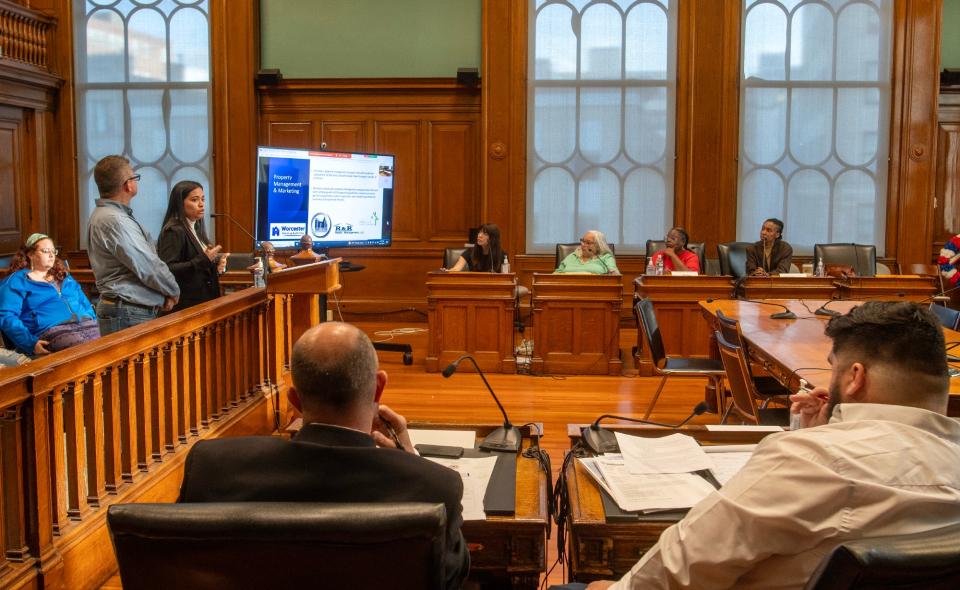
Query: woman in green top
[[592, 257]]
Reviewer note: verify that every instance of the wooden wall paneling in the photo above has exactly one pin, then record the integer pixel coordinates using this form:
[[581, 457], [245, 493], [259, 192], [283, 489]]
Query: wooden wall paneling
[[947, 196], [453, 192], [10, 228], [915, 85], [707, 120], [290, 134], [503, 143], [344, 136], [402, 139], [234, 57]]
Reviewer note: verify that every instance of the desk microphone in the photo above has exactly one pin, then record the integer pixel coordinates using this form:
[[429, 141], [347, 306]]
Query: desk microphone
[[507, 437], [600, 440], [786, 314]]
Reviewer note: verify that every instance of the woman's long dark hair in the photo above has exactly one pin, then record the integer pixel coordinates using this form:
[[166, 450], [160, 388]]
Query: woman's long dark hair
[[21, 260], [175, 212], [494, 254]]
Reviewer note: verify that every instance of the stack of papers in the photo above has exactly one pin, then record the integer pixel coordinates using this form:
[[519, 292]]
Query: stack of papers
[[475, 473], [654, 474]]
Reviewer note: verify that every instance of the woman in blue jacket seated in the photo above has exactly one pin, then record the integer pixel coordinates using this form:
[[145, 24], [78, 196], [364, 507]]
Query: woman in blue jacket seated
[[42, 308]]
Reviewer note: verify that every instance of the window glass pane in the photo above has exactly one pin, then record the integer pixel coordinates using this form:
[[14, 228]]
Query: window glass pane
[[765, 124], [858, 43], [600, 124], [553, 202], [644, 205], [188, 114], [765, 43], [646, 45], [189, 46], [645, 127], [811, 43], [811, 124], [859, 109], [555, 53], [104, 130], [143, 97], [555, 126], [148, 140], [147, 51], [601, 31], [762, 198], [104, 42], [609, 123], [600, 203], [838, 109]]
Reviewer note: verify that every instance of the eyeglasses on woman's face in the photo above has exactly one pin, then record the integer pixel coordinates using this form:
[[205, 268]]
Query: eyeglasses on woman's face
[[53, 251]]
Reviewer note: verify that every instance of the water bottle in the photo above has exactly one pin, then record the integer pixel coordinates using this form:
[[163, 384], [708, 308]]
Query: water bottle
[[819, 271], [506, 265], [660, 266], [650, 269]]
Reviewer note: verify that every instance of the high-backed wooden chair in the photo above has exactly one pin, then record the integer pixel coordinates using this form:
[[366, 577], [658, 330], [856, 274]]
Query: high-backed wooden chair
[[256, 545], [743, 392], [668, 366], [767, 388]]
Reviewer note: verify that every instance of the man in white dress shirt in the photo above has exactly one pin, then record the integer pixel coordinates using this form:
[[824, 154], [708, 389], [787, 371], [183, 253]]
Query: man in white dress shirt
[[876, 456]]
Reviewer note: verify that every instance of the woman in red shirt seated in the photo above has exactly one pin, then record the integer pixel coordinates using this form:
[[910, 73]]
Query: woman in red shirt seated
[[676, 256]]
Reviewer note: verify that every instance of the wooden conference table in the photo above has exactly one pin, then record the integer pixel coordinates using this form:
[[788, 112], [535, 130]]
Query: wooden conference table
[[793, 349], [602, 550], [685, 333]]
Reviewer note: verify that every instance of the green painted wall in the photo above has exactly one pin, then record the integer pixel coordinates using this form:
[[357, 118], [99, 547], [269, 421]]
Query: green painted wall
[[950, 35], [369, 38]]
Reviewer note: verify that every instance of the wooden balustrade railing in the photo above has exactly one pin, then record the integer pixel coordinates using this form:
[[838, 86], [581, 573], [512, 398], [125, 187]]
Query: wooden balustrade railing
[[24, 34], [107, 421]]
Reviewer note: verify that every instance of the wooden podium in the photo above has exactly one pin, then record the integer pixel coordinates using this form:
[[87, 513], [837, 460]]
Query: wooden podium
[[306, 283], [471, 313], [576, 324]]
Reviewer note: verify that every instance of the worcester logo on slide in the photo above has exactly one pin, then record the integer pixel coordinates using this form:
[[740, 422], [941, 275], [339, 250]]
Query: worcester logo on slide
[[320, 225]]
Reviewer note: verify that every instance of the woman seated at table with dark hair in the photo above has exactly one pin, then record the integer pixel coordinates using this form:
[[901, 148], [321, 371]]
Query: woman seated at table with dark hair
[[486, 255], [593, 256], [676, 256], [42, 308]]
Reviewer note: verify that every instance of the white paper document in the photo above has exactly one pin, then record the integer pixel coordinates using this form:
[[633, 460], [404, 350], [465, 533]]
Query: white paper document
[[677, 453], [727, 460], [447, 438], [475, 473], [650, 492]]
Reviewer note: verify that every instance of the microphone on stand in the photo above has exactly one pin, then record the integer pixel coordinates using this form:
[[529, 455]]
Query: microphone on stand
[[600, 440], [263, 257], [786, 314], [507, 437]]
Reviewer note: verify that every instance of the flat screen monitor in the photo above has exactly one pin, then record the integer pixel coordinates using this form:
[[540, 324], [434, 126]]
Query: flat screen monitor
[[340, 199]]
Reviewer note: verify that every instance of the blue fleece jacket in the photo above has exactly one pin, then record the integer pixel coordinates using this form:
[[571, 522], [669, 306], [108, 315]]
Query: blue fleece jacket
[[29, 308]]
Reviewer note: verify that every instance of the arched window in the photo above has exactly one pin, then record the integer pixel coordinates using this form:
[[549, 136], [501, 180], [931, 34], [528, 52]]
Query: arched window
[[143, 91], [601, 99], [815, 105]]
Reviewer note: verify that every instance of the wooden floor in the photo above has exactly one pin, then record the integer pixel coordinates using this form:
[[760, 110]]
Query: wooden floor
[[553, 401]]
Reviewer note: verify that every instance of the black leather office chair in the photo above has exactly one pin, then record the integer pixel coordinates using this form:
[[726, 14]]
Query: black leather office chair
[[450, 256], [699, 248], [733, 258], [667, 366], [279, 545], [240, 260], [564, 250], [921, 561], [862, 257]]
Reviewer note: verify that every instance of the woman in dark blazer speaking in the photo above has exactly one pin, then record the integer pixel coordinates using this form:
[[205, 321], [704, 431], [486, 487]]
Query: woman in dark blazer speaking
[[184, 246]]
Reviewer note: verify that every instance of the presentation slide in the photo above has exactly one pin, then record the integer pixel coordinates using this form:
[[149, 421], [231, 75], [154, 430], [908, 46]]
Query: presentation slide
[[340, 199]]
